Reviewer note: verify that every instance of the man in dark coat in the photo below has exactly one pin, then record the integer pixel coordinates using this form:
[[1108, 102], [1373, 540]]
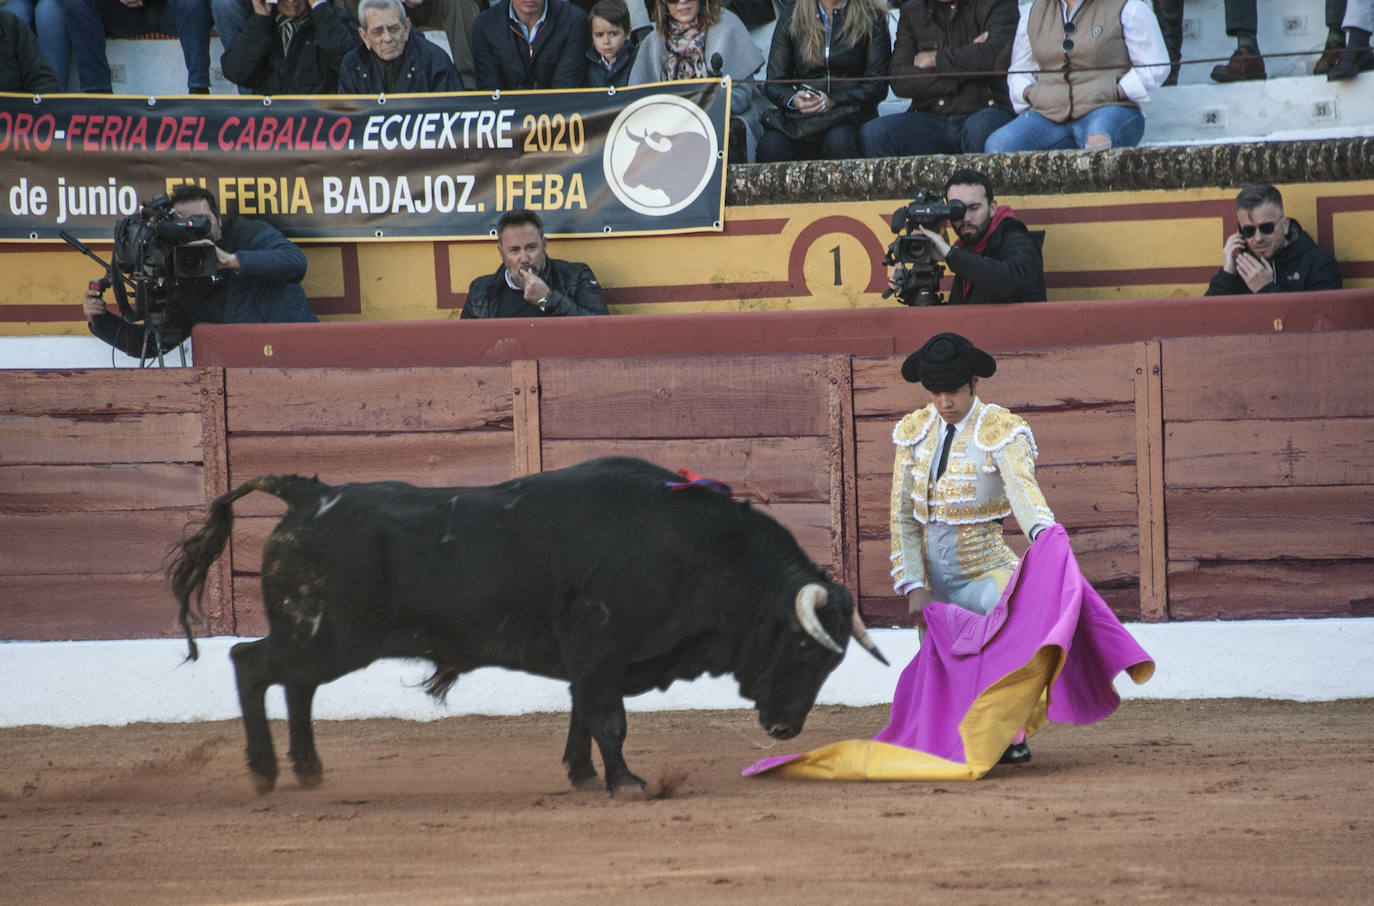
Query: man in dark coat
[[396, 59], [530, 284], [938, 43], [525, 44], [258, 282], [1270, 253], [995, 258], [22, 64], [290, 47]]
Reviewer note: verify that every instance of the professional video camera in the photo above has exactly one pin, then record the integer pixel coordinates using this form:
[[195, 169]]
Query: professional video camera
[[150, 247], [154, 260], [918, 272]]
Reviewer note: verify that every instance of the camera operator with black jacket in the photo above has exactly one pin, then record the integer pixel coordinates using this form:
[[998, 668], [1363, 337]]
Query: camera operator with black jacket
[[995, 258], [258, 281]]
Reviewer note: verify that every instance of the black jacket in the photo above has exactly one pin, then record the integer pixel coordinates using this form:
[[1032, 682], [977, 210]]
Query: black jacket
[[424, 68], [573, 290], [598, 76], [1009, 270], [503, 59], [946, 90], [786, 72], [265, 289], [1301, 265], [22, 64], [255, 60]]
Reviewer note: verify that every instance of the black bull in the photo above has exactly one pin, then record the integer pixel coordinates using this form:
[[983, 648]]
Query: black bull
[[603, 574]]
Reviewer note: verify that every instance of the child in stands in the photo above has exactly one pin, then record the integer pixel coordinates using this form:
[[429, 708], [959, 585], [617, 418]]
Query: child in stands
[[612, 53]]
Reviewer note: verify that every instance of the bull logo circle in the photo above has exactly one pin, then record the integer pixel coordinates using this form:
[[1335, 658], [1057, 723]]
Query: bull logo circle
[[660, 154]]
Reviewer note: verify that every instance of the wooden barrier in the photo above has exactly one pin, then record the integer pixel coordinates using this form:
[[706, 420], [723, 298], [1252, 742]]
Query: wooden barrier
[[1199, 477], [99, 472]]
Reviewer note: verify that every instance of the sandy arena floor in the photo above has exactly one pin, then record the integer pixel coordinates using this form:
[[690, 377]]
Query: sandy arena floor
[[1206, 802]]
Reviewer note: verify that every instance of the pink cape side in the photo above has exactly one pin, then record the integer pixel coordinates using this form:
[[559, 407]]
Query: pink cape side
[[1047, 652]]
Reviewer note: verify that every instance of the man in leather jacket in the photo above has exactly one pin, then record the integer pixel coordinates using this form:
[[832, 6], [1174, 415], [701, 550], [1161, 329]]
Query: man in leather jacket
[[530, 284]]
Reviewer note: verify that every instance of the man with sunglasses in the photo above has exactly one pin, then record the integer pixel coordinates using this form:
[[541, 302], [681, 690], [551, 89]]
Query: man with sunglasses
[[1270, 253]]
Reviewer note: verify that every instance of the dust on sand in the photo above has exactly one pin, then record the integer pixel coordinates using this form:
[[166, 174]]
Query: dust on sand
[[1205, 801]]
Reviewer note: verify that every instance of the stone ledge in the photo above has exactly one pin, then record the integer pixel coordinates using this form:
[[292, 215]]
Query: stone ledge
[[1057, 172]]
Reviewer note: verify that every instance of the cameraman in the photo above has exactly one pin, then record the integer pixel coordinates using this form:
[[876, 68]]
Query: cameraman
[[995, 258], [258, 282]]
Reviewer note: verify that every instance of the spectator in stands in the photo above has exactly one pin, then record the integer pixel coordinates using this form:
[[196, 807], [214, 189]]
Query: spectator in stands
[[1170, 16], [1079, 73], [612, 53], [530, 44], [455, 18], [939, 42], [698, 39], [530, 284], [395, 59], [1270, 253], [291, 47], [1355, 56], [22, 64], [815, 48], [995, 258], [87, 22], [259, 281]]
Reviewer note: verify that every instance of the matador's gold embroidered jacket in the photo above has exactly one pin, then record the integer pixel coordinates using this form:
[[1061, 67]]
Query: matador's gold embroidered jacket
[[990, 474]]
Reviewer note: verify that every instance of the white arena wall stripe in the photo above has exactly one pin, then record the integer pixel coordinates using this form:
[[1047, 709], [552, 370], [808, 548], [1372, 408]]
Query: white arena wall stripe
[[70, 684]]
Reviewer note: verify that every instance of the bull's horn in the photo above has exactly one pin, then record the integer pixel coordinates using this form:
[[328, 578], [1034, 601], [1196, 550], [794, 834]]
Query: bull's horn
[[657, 142], [861, 636], [638, 139], [808, 599]]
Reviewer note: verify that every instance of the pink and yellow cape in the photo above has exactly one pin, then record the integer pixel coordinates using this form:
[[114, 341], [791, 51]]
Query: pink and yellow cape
[[1047, 652]]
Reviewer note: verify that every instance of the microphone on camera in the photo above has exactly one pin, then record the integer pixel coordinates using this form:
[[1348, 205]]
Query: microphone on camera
[[717, 65]]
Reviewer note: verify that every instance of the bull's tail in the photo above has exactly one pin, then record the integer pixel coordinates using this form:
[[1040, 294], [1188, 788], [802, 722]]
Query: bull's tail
[[190, 559]]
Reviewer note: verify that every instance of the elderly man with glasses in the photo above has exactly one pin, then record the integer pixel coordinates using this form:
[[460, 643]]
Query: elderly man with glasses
[[1270, 253]]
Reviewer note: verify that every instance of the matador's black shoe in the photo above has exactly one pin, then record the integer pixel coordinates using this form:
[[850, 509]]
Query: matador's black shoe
[[1016, 753]]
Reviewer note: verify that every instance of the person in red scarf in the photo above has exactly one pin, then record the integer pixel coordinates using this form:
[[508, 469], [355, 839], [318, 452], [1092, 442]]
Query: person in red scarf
[[995, 258]]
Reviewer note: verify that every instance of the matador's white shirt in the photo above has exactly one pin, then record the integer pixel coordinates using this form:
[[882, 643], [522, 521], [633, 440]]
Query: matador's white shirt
[[947, 534]]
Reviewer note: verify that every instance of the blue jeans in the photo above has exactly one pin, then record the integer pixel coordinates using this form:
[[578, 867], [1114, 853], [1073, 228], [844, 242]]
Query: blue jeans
[[1032, 132], [87, 22], [229, 16], [919, 132], [52, 38], [21, 8]]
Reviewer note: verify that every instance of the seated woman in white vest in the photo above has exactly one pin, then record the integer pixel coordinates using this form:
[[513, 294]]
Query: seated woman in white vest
[[1080, 69]]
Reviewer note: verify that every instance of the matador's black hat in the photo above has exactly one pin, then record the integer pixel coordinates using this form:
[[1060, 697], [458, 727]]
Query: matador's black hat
[[947, 362]]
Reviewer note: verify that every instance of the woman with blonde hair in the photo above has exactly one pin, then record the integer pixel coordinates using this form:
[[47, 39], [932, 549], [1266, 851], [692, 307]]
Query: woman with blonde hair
[[688, 37], [816, 49]]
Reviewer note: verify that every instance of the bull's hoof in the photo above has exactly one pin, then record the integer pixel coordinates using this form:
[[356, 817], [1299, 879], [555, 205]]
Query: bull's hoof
[[264, 774], [582, 775], [308, 769], [627, 783]]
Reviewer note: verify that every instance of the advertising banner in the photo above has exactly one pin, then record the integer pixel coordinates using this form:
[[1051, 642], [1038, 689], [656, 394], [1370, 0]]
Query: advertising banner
[[649, 159]]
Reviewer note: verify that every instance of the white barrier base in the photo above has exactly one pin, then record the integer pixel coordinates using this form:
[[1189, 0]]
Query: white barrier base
[[113, 683]]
